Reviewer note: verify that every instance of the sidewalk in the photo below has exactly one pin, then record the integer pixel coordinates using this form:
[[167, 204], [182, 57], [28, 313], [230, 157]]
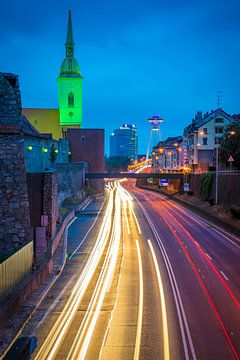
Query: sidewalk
[[54, 267]]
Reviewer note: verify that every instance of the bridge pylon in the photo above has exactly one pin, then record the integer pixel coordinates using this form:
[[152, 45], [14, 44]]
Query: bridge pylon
[[155, 133]]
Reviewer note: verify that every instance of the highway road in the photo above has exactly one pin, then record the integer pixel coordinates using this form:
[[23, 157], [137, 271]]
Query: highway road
[[145, 279], [203, 268]]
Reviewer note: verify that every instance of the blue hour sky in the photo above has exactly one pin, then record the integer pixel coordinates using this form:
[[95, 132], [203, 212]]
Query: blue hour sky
[[138, 58]]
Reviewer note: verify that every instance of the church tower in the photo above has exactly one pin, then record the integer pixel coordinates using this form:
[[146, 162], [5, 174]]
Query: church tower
[[70, 85]]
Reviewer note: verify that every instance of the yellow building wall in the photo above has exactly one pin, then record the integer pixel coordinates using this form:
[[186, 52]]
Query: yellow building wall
[[46, 121]]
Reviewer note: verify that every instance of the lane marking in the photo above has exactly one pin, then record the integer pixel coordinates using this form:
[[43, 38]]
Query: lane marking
[[126, 218], [225, 277], [216, 271], [140, 306], [204, 288], [163, 305], [209, 256], [213, 267], [115, 304], [86, 205], [136, 220]]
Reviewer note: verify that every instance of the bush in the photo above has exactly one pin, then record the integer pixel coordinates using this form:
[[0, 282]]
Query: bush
[[205, 185], [235, 211]]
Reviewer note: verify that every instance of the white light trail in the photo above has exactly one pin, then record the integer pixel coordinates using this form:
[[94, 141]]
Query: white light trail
[[51, 344], [140, 305], [163, 305], [85, 332]]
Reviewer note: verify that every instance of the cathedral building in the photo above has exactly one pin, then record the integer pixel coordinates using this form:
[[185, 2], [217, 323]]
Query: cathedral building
[[69, 112]]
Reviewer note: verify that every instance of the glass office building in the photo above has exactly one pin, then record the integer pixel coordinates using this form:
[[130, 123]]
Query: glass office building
[[124, 142]]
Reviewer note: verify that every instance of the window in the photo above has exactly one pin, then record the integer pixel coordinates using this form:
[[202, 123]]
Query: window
[[219, 120], [71, 99], [217, 140], [205, 131], [82, 139], [218, 130], [204, 141]]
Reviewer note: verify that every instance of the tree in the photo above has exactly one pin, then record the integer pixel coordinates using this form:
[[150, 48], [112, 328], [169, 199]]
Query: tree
[[117, 163], [230, 145]]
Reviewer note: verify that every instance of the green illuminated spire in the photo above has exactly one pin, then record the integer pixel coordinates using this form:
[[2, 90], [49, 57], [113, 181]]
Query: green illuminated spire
[[70, 84], [70, 65]]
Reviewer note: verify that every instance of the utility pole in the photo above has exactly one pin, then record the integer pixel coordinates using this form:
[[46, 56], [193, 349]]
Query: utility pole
[[219, 95]]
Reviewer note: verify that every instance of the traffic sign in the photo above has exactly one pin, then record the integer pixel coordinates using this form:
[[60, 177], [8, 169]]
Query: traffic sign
[[150, 180], [186, 186], [163, 182], [231, 158]]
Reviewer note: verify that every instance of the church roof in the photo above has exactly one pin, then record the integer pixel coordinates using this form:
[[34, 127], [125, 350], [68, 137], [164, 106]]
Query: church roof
[[70, 66]]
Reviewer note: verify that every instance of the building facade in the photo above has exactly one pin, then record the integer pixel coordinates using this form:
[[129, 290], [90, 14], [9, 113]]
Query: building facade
[[124, 142], [202, 138], [168, 154]]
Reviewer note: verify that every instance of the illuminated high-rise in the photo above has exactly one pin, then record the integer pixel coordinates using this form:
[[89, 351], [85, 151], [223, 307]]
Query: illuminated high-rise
[[124, 142]]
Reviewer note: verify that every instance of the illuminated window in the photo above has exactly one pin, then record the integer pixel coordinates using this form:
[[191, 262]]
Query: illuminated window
[[71, 99], [219, 120]]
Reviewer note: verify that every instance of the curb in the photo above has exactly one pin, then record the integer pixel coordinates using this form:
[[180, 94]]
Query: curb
[[198, 211]]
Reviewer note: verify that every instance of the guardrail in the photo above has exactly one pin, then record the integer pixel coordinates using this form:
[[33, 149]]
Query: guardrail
[[129, 175]]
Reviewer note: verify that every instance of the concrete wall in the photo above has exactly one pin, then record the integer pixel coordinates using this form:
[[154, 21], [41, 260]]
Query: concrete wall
[[37, 160], [229, 188], [70, 180]]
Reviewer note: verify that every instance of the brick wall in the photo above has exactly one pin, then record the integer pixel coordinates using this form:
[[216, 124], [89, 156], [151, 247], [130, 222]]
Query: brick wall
[[50, 201], [15, 228]]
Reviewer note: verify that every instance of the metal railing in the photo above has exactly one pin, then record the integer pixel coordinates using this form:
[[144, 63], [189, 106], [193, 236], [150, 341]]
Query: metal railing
[[15, 268]]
